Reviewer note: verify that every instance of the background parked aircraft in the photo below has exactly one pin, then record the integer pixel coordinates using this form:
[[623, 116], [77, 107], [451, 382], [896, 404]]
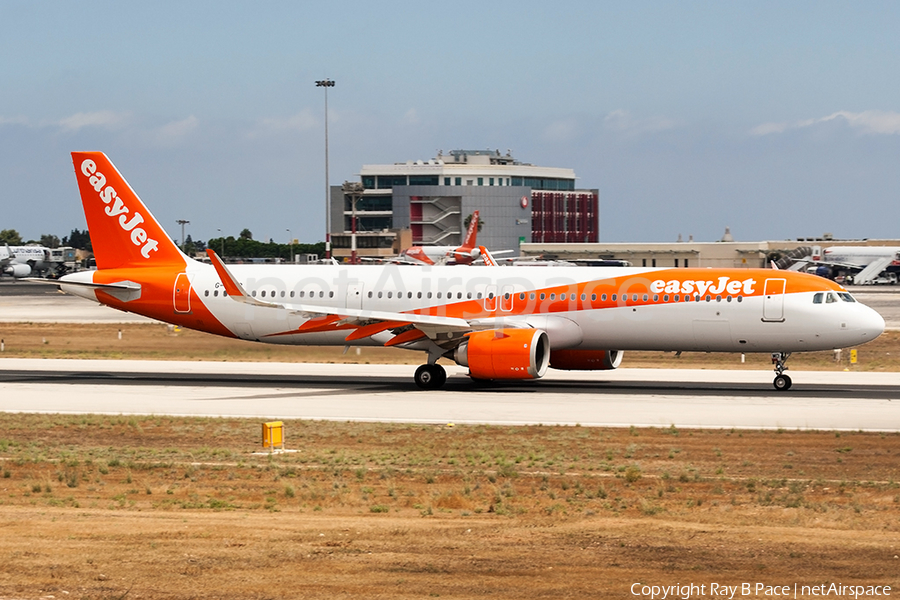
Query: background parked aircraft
[[864, 263], [23, 261]]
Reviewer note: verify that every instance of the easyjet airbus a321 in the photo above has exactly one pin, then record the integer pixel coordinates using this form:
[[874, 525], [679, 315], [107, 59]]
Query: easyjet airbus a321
[[501, 323]]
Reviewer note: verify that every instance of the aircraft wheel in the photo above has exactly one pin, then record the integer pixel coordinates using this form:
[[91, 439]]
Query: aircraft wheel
[[430, 377], [782, 383]]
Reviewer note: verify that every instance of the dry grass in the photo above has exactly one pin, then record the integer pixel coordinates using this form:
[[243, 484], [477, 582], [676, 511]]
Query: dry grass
[[160, 507], [101, 507], [161, 342]]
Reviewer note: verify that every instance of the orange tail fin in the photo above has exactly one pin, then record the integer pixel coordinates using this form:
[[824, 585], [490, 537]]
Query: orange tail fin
[[472, 233], [123, 232]]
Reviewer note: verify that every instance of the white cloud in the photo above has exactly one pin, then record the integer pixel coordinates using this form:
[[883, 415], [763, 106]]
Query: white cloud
[[102, 118], [869, 122], [13, 121], [176, 130], [561, 131], [302, 121], [411, 117], [622, 121]]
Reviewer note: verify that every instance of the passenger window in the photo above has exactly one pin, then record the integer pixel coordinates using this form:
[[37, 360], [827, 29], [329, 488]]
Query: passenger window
[[521, 296], [418, 294], [531, 296], [594, 297], [292, 293], [613, 297], [215, 292], [304, 293], [553, 296], [390, 294], [817, 299], [602, 297], [331, 294]]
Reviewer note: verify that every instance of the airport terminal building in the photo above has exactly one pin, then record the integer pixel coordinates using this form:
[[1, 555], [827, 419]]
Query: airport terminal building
[[429, 202]]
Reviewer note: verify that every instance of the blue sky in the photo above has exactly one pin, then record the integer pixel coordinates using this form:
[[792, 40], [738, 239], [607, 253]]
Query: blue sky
[[777, 119]]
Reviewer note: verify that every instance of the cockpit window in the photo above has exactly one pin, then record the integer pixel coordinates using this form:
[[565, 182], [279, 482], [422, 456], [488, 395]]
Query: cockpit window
[[846, 297], [817, 299], [830, 298]]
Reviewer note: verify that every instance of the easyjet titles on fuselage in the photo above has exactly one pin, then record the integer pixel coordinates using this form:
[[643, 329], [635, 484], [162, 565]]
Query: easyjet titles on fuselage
[[724, 284], [117, 208]]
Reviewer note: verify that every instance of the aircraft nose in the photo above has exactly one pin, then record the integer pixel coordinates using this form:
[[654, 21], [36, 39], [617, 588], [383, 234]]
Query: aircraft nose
[[871, 324]]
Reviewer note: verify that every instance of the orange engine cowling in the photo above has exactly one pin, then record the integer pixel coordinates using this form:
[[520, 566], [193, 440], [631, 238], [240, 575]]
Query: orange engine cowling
[[505, 354], [585, 360]]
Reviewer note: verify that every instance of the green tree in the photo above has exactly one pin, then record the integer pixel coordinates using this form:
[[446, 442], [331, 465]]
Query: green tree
[[49, 240], [469, 220], [78, 239], [11, 237], [246, 235]]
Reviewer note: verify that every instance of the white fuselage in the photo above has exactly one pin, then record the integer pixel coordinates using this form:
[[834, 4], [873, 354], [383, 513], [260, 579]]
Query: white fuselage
[[732, 314]]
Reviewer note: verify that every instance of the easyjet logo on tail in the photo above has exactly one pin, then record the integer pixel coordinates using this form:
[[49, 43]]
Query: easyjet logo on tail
[[115, 207], [690, 286]]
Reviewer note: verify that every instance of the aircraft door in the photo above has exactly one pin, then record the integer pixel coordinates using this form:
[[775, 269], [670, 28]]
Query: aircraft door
[[773, 300], [182, 294], [354, 295]]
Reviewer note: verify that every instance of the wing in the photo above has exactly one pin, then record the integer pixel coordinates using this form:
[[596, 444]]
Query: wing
[[407, 327]]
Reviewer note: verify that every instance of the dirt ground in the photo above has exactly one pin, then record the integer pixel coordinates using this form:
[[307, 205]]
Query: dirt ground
[[165, 342], [102, 507], [159, 507]]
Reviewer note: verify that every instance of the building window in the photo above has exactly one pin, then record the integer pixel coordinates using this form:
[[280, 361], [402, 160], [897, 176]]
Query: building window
[[481, 181], [491, 181], [446, 181], [457, 181], [368, 182], [420, 180], [676, 263], [686, 263], [654, 262]]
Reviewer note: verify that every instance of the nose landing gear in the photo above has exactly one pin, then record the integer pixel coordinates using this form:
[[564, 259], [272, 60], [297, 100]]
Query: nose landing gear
[[782, 382]]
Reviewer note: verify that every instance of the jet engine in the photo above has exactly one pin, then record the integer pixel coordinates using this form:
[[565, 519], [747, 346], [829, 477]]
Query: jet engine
[[505, 354], [18, 270], [585, 360]]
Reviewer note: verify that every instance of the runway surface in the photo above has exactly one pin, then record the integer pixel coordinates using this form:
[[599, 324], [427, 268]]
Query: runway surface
[[639, 397]]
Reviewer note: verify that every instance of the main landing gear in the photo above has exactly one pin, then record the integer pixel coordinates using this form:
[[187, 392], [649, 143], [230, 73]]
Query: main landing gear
[[782, 382], [430, 377]]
